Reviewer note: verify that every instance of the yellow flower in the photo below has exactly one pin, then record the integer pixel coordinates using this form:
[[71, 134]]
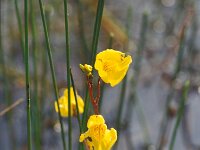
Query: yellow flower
[[98, 137], [63, 103], [112, 65], [86, 69]]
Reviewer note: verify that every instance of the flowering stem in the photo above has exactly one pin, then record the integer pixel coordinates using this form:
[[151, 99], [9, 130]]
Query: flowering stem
[[94, 50], [94, 101], [52, 71]]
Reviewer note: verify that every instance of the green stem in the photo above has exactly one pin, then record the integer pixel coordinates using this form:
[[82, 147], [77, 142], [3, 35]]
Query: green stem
[[26, 54], [120, 106], [94, 51], [81, 28], [86, 108], [19, 21], [141, 45], [180, 113], [35, 102], [68, 74], [52, 71], [77, 107], [177, 69], [85, 116], [44, 71], [123, 88], [97, 30], [133, 98], [129, 22], [137, 67]]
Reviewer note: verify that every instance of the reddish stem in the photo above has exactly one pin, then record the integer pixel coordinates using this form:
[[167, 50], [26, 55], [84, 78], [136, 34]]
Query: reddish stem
[[94, 101]]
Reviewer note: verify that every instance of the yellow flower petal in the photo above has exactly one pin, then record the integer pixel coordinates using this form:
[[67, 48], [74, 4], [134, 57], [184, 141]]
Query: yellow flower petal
[[112, 65], [95, 120], [63, 103], [98, 137]]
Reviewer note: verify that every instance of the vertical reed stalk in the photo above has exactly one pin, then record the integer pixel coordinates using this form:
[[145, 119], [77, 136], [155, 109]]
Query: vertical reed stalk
[[123, 87], [96, 31], [68, 75], [177, 69], [180, 113], [124, 84], [44, 71], [77, 107], [81, 29], [35, 101], [19, 21], [137, 67], [52, 70], [27, 76], [133, 98], [120, 106]]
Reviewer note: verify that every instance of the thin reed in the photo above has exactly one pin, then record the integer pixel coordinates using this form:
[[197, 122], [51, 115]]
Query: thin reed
[[68, 74], [27, 76], [52, 71]]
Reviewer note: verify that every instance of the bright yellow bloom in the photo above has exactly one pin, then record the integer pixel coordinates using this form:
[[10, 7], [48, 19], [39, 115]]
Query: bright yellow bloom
[[63, 103], [112, 65], [98, 137], [86, 69]]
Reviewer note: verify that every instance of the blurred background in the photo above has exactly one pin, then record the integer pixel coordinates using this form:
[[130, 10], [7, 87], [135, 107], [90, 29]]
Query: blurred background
[[162, 36]]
